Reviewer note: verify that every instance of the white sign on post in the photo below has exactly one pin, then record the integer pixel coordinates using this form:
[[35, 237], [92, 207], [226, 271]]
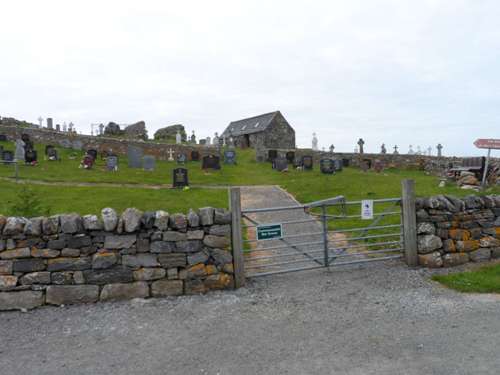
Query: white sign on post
[[367, 209]]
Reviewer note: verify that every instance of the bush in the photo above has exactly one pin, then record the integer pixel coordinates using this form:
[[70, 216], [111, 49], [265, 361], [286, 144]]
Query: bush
[[28, 204]]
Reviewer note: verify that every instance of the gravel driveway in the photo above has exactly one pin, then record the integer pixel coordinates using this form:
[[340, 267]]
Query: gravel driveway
[[371, 319]]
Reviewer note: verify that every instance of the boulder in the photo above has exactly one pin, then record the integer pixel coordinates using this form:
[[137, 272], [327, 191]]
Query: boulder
[[71, 294], [50, 225], [103, 260], [206, 216], [222, 242], [20, 300], [120, 242], [137, 131], [148, 274], [162, 219], [432, 260], [14, 226], [426, 243], [71, 223], [169, 133], [33, 227], [455, 259], [148, 219], [468, 180], [115, 292], [92, 222], [165, 288], [131, 220], [480, 255], [109, 219]]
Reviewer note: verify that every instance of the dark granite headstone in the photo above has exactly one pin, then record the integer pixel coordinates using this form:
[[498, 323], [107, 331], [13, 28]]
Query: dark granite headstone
[[180, 178], [290, 156], [195, 155], [148, 163], [327, 166], [346, 162], [230, 157], [297, 162], [271, 155], [30, 156], [3, 138], [203, 142], [181, 158], [211, 162], [134, 156], [28, 143], [112, 163], [307, 162], [7, 155], [47, 148], [92, 152], [280, 164]]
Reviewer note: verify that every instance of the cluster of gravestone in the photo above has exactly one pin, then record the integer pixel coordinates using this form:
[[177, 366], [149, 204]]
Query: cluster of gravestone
[[24, 151], [328, 165]]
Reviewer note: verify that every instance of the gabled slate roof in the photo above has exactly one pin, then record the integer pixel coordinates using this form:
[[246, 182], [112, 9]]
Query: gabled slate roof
[[250, 125]]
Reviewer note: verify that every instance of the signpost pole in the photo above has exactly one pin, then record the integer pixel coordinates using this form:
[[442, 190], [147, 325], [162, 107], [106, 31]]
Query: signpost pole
[[485, 172]]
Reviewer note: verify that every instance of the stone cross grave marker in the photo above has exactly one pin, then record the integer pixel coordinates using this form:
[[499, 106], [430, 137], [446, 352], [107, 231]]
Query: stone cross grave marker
[[327, 166], [307, 162], [230, 157], [439, 148], [180, 178], [134, 156], [396, 150], [211, 162], [149, 163], [181, 158], [40, 121], [383, 150], [112, 163], [280, 164], [332, 148], [361, 144], [195, 155], [170, 154]]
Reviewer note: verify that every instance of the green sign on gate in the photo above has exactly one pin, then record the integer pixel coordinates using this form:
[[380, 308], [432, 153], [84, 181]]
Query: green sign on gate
[[269, 232]]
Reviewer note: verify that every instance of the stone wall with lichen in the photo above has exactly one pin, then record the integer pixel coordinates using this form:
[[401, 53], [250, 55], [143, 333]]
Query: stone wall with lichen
[[454, 231], [69, 259]]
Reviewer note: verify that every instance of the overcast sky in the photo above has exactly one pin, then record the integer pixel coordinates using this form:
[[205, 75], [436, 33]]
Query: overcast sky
[[399, 72]]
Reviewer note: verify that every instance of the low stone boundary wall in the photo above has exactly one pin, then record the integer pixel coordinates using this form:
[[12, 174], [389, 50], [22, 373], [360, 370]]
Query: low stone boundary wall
[[455, 231], [68, 259]]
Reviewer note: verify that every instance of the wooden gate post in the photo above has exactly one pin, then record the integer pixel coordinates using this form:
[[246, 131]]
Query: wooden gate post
[[409, 222], [236, 237]]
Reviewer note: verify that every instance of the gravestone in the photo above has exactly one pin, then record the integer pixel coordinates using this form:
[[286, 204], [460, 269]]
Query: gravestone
[[134, 156], [368, 162], [149, 163], [20, 151], [7, 155], [203, 142], [346, 162], [271, 155], [112, 163], [230, 157], [87, 162], [378, 165], [339, 164], [327, 166], [30, 157], [297, 162], [47, 148], [280, 164], [51, 153], [3, 138], [290, 156], [307, 162], [92, 152], [211, 162], [195, 155], [180, 178], [181, 158], [364, 165]]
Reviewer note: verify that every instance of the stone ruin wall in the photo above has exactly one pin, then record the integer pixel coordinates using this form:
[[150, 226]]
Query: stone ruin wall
[[119, 146], [69, 259], [455, 231]]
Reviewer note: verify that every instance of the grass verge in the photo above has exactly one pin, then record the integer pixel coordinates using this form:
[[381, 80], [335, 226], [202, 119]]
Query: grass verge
[[483, 280]]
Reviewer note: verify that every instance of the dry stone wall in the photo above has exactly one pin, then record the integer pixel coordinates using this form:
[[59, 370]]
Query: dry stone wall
[[69, 259], [454, 231]]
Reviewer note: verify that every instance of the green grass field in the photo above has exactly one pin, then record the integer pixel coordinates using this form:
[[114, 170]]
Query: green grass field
[[484, 280], [306, 186]]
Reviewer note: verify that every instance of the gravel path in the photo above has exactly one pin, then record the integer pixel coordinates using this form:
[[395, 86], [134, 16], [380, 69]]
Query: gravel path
[[374, 319]]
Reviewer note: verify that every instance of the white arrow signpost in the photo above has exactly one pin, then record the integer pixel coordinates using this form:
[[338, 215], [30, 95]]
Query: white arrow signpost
[[488, 144]]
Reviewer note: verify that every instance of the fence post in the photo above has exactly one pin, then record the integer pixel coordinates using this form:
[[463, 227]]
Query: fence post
[[326, 254], [409, 222], [236, 236]]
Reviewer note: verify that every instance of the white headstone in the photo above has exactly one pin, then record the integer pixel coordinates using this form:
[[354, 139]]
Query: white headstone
[[20, 153], [170, 154], [40, 121], [178, 138], [314, 142]]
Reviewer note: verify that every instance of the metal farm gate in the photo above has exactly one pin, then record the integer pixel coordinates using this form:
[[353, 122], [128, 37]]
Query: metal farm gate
[[331, 232]]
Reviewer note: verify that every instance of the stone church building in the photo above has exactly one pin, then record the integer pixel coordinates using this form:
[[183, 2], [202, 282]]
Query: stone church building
[[267, 131]]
